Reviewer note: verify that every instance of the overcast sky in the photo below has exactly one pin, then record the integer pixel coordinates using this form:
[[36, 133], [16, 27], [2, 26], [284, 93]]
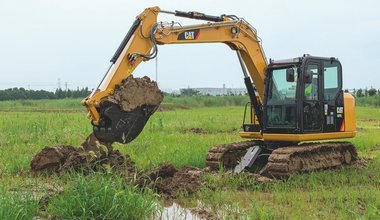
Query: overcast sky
[[43, 40]]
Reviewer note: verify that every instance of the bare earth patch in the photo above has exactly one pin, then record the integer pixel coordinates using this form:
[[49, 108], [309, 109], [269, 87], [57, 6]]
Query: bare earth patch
[[170, 182], [90, 156]]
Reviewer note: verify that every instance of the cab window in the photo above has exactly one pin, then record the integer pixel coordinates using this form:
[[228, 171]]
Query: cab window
[[311, 89], [331, 80]]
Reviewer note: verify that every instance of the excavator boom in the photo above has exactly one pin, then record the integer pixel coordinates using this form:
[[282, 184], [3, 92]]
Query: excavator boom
[[141, 44]]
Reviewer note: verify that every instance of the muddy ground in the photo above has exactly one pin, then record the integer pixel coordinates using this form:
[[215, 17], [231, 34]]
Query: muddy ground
[[92, 156], [201, 131], [136, 92], [170, 182]]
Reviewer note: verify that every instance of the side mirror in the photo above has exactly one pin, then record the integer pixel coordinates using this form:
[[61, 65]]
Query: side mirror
[[307, 77], [290, 75]]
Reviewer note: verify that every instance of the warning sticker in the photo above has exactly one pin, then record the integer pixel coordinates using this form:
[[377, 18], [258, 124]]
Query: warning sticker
[[339, 110]]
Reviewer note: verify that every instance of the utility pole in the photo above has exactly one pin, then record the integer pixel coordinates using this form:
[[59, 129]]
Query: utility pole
[[59, 83], [66, 85]]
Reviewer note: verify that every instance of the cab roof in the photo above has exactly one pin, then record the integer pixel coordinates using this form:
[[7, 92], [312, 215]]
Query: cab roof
[[297, 60]]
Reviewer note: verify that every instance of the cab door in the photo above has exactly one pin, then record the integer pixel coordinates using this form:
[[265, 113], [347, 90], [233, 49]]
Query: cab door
[[333, 106], [312, 115]]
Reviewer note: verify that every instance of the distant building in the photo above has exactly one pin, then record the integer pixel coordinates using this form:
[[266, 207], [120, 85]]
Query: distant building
[[221, 91]]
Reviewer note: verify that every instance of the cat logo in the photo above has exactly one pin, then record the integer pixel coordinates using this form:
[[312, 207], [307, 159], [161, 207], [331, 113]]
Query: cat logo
[[189, 35]]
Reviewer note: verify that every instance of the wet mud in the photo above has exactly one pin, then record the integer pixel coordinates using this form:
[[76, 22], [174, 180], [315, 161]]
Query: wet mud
[[136, 92], [92, 155], [170, 182]]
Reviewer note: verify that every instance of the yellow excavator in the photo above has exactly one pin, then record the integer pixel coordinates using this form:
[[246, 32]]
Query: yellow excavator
[[294, 103]]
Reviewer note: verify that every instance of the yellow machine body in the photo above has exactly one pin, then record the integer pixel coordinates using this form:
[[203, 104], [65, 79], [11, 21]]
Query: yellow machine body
[[238, 34]]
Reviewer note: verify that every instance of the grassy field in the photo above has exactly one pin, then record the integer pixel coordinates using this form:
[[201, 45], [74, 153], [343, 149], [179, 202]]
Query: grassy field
[[28, 126]]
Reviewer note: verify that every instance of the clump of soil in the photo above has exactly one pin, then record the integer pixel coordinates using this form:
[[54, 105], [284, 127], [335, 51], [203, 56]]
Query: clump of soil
[[186, 180], [169, 181], [195, 131], [362, 162], [136, 92], [50, 159], [203, 131], [92, 155]]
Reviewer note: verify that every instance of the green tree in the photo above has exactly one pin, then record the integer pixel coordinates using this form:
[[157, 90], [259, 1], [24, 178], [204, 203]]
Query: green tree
[[359, 93], [189, 92], [372, 92]]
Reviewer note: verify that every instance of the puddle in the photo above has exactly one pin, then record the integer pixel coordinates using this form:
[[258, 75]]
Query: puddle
[[175, 211]]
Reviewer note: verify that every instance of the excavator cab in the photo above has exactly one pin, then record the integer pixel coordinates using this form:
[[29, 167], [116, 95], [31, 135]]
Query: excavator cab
[[303, 101], [304, 97]]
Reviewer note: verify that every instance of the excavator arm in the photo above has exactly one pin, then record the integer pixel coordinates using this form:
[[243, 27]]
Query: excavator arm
[[141, 44]]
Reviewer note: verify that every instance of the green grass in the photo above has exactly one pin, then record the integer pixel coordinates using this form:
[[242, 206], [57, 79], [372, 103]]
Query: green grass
[[16, 205], [170, 102], [102, 197], [43, 104], [348, 193], [369, 101], [205, 101]]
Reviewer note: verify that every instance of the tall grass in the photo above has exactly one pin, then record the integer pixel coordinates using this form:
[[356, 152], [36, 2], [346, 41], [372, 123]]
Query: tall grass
[[17, 205], [169, 101], [348, 193], [102, 197], [206, 101], [369, 101], [43, 104]]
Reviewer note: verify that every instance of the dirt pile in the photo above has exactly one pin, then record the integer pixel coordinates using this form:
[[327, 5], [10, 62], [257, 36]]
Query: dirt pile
[[170, 182], [90, 156], [136, 92]]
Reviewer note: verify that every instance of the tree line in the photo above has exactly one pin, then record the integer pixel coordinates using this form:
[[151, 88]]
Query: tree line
[[22, 93], [366, 92]]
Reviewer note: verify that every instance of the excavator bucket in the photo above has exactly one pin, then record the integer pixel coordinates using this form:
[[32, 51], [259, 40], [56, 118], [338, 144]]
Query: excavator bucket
[[117, 125], [124, 114]]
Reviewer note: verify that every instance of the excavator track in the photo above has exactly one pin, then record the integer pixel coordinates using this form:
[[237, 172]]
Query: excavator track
[[286, 161], [228, 155]]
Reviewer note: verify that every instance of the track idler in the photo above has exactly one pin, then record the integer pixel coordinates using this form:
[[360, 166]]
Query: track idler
[[116, 125]]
